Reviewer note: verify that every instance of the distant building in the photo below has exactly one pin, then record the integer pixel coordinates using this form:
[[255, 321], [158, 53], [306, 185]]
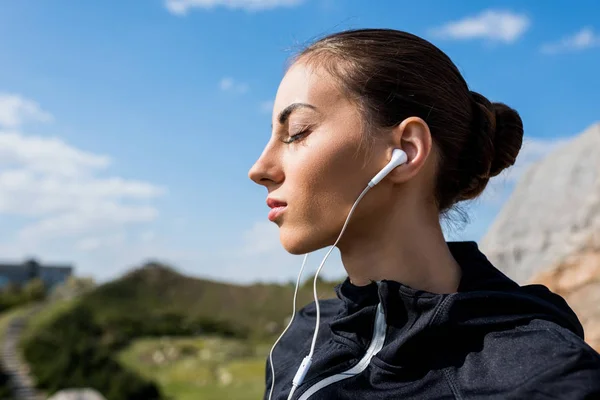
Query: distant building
[[21, 273]]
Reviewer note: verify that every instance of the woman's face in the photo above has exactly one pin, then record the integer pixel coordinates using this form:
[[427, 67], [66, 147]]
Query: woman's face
[[313, 164]]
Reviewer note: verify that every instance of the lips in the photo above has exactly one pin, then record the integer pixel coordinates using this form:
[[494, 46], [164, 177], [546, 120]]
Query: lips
[[277, 208], [273, 203]]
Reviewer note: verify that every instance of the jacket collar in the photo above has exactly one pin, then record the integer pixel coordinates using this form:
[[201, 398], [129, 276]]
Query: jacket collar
[[485, 298]]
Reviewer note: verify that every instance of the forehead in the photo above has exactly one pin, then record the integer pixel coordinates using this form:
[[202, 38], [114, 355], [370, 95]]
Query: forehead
[[303, 84]]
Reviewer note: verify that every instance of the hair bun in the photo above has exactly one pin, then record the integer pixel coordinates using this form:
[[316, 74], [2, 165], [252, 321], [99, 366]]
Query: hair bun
[[494, 143], [508, 137]]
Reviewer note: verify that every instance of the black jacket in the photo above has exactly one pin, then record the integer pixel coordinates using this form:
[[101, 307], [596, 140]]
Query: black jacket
[[493, 339]]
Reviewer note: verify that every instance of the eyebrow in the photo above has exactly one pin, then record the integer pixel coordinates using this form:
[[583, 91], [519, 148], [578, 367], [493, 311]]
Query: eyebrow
[[286, 112]]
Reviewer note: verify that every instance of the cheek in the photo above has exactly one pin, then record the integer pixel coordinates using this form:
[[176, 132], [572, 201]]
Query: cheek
[[322, 182], [326, 174]]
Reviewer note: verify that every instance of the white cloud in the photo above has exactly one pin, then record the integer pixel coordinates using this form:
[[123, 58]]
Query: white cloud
[[87, 219], [59, 191], [147, 237], [267, 106], [230, 85], [94, 243], [494, 25], [33, 193], [182, 7], [41, 176], [261, 238], [48, 155], [226, 83], [63, 204], [16, 110], [586, 38]]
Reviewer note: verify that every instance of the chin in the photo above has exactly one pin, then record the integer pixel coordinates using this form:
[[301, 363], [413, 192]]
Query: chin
[[298, 242]]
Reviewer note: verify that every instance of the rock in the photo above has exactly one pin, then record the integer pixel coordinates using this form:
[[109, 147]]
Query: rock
[[225, 377], [172, 353], [77, 394], [577, 280], [549, 230], [272, 327], [158, 357], [553, 213]]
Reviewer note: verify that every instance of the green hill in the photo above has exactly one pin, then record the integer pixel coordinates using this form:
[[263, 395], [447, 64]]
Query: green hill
[[158, 300], [78, 343]]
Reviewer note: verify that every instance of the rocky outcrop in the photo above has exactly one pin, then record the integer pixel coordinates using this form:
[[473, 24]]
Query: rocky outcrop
[[577, 279], [77, 394], [549, 230], [553, 213]]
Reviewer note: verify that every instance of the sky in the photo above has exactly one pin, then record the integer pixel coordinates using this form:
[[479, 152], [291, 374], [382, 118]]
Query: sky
[[127, 128]]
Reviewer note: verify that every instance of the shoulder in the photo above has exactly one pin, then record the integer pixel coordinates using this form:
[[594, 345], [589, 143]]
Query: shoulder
[[541, 338], [567, 366], [537, 359]]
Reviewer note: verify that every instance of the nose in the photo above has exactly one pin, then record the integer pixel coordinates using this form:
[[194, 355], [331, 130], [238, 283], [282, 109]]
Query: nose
[[266, 171]]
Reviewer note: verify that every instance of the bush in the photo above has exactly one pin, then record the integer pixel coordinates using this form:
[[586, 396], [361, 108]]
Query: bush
[[13, 295], [69, 352], [34, 290]]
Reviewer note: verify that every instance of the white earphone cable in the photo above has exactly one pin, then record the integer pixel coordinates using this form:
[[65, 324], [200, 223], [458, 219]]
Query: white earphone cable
[[285, 330]]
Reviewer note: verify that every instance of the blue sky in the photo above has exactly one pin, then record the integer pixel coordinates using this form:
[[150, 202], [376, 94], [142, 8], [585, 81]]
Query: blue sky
[[127, 127]]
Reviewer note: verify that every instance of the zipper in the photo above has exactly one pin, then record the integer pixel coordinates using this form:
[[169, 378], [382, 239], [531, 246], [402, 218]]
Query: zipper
[[374, 347]]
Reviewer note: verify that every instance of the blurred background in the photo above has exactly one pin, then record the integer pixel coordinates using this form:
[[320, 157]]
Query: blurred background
[[131, 239]]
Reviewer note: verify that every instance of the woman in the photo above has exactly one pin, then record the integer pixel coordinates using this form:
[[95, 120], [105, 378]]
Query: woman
[[417, 317]]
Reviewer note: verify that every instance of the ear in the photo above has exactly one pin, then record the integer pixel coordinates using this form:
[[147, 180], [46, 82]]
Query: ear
[[414, 137]]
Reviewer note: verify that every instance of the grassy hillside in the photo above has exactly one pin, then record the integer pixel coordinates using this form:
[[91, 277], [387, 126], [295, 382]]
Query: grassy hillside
[[208, 368], [156, 295], [91, 341]]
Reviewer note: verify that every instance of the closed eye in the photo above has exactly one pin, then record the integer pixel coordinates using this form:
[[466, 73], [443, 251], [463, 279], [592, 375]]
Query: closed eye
[[296, 137]]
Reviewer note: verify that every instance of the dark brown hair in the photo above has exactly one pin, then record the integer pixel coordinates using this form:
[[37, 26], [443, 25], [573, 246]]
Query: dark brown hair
[[393, 75]]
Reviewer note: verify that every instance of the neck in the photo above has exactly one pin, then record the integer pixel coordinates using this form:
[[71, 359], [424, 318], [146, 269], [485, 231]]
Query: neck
[[409, 249]]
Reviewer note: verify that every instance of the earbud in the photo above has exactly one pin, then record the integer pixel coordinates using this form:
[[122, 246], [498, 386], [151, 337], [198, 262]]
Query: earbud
[[399, 157]]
